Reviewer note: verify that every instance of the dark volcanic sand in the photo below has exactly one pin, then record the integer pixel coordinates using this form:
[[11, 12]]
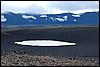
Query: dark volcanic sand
[[86, 38]]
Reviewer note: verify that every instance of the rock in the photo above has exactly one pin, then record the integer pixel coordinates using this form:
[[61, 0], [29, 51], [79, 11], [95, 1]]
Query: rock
[[15, 51], [2, 52], [70, 58], [92, 60], [22, 52]]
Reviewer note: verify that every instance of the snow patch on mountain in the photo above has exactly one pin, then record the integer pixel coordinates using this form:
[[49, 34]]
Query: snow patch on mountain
[[29, 20], [65, 17], [27, 17], [75, 20], [46, 18], [52, 19], [3, 19], [60, 19], [77, 15], [43, 16]]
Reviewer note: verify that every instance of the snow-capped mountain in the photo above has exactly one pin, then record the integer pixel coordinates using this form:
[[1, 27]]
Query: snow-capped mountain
[[88, 18]]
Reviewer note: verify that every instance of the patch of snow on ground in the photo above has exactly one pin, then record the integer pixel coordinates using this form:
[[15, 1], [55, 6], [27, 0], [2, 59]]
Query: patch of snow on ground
[[44, 43]]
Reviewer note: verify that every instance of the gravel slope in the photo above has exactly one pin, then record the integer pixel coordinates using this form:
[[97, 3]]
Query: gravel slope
[[23, 59]]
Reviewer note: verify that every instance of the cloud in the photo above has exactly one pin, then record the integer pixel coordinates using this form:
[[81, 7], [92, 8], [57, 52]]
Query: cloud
[[74, 5], [22, 7], [48, 6]]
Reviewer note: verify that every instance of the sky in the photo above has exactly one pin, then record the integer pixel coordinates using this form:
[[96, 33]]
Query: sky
[[49, 7]]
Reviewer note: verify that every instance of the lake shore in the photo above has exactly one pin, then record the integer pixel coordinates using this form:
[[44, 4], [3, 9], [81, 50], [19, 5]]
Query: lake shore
[[8, 28]]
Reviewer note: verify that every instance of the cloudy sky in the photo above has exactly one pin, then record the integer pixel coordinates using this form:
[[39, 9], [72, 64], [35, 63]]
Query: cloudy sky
[[49, 7]]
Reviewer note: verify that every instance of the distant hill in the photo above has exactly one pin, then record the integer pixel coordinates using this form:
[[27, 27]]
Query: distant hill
[[69, 19]]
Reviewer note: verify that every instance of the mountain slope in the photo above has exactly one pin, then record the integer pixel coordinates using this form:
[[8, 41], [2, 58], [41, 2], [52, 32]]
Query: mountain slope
[[89, 18]]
